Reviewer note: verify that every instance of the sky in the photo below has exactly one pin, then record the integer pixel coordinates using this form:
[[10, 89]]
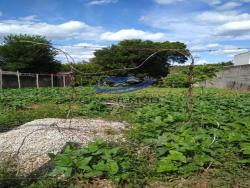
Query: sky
[[71, 25]]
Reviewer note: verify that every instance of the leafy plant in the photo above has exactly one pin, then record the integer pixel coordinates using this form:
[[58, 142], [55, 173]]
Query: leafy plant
[[161, 146], [100, 160], [91, 161]]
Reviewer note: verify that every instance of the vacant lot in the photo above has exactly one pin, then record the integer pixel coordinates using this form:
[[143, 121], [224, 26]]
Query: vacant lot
[[163, 146]]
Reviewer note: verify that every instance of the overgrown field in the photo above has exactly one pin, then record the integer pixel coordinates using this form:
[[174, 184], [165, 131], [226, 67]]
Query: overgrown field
[[164, 147]]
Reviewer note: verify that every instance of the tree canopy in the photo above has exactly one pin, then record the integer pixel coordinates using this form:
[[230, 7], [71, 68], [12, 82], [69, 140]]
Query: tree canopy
[[28, 57], [131, 53]]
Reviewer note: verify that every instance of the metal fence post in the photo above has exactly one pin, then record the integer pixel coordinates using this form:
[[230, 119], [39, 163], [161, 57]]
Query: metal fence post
[[52, 80], [64, 82], [37, 80], [18, 79], [1, 79]]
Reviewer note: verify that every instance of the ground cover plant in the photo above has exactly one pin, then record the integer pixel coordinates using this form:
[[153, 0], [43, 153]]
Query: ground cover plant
[[163, 145]]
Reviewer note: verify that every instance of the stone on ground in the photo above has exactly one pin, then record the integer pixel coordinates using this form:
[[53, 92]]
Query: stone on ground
[[30, 143]]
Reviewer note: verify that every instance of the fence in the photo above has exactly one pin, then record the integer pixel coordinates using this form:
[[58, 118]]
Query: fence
[[17, 79]]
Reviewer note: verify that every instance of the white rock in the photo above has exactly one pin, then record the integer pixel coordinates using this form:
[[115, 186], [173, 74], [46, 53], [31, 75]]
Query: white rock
[[30, 143]]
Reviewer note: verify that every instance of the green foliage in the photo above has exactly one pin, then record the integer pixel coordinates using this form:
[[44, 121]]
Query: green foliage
[[221, 134], [128, 53], [184, 153], [178, 77], [28, 57], [99, 160], [85, 67], [91, 161], [161, 144], [176, 80], [93, 106]]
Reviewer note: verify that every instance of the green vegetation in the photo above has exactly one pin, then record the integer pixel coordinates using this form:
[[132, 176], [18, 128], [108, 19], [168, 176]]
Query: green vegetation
[[163, 146], [131, 53], [85, 67], [99, 159], [38, 57], [178, 76]]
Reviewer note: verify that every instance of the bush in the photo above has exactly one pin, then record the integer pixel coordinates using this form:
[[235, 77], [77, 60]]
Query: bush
[[178, 76]]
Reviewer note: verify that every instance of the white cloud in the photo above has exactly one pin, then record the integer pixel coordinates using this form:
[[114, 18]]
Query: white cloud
[[213, 2], [201, 47], [72, 30], [89, 45], [228, 50], [226, 5], [217, 49], [29, 18], [213, 45], [80, 51], [245, 1], [164, 2], [101, 2], [222, 22], [132, 34], [66, 30], [209, 2], [229, 6], [192, 27], [240, 29], [178, 28], [201, 62], [214, 17]]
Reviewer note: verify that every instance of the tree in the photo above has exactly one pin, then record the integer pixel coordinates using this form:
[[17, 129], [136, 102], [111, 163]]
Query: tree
[[28, 57], [85, 67], [131, 53]]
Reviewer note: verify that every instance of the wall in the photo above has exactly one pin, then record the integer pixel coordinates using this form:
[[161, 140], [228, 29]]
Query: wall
[[242, 59], [232, 77]]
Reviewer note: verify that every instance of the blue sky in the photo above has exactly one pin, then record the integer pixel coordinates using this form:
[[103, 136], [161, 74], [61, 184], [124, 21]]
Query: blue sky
[[71, 24]]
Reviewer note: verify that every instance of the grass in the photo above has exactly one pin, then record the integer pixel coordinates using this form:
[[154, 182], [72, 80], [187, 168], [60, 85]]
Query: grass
[[212, 149]]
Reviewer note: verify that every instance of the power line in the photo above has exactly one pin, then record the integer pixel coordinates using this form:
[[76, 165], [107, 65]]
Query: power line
[[151, 49]]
